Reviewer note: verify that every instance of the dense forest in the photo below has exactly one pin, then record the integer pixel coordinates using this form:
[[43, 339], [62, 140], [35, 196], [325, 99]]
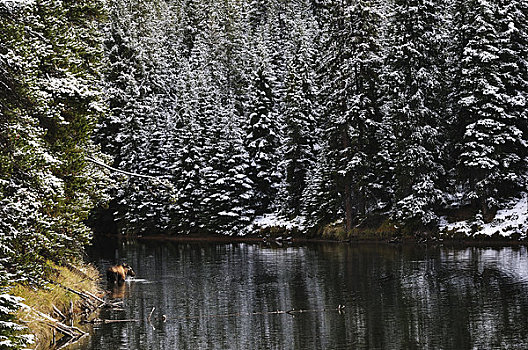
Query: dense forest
[[399, 112], [360, 111], [51, 59]]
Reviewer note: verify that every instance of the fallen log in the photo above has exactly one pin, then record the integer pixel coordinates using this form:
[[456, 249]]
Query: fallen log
[[90, 297], [94, 297], [62, 328], [58, 312], [164, 318], [78, 272], [97, 321]]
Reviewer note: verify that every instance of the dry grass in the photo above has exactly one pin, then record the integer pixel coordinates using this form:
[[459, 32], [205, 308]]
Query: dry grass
[[78, 276], [334, 231], [382, 229]]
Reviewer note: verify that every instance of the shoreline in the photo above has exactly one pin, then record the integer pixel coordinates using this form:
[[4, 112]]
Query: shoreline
[[55, 314], [218, 238]]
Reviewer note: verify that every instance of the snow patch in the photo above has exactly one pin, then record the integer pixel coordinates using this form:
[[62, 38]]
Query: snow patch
[[513, 219], [17, 3], [275, 220]]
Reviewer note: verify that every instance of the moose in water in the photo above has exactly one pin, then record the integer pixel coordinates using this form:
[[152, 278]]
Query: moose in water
[[118, 273]]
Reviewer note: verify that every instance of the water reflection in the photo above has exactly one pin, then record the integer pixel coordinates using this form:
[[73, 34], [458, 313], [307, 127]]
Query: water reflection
[[396, 297]]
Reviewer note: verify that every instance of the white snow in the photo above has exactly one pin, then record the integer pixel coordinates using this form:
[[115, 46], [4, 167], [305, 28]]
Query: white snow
[[15, 3], [512, 219], [275, 220]]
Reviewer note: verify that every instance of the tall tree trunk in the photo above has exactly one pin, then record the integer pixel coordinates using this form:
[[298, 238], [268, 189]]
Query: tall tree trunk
[[347, 188], [348, 207]]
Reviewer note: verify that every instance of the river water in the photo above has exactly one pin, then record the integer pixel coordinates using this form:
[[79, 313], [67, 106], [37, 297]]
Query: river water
[[235, 296]]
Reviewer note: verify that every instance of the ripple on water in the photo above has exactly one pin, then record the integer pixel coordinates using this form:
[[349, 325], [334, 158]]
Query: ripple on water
[[219, 296]]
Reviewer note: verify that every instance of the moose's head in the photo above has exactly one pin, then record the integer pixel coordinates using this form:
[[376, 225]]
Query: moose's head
[[128, 270]]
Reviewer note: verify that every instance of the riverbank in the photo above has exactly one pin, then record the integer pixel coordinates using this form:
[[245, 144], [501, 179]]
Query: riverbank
[[53, 313], [279, 236], [499, 230]]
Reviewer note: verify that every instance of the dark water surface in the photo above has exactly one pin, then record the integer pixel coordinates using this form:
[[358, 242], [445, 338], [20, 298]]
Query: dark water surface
[[217, 296]]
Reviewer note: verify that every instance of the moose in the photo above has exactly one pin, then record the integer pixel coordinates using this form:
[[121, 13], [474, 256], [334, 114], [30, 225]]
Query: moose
[[118, 273]]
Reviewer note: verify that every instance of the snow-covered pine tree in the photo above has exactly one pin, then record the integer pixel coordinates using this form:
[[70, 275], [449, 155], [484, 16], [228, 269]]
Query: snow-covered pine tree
[[12, 334], [120, 133], [192, 15], [490, 98], [262, 139], [188, 162], [225, 187], [367, 166], [53, 54], [123, 75], [67, 64], [258, 12], [299, 109], [298, 152], [350, 69], [141, 81], [414, 103], [513, 35], [24, 174], [320, 201]]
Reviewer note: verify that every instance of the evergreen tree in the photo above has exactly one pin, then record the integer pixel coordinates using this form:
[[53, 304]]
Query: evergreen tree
[[51, 103], [490, 97], [414, 105], [258, 14], [224, 185], [141, 80], [321, 203], [12, 334], [299, 111], [262, 140], [513, 35], [189, 160], [350, 67], [298, 152]]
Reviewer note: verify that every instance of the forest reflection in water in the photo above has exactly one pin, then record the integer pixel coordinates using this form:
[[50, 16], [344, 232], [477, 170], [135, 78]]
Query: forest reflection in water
[[217, 296]]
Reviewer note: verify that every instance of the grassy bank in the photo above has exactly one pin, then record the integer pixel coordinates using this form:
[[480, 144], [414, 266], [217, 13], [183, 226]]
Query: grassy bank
[[56, 301]]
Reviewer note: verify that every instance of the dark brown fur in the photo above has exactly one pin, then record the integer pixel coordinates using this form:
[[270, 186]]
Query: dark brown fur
[[118, 273]]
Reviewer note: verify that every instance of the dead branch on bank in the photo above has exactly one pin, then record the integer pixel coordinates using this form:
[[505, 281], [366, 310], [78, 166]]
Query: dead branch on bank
[[67, 331], [89, 304], [78, 272], [90, 298], [59, 313]]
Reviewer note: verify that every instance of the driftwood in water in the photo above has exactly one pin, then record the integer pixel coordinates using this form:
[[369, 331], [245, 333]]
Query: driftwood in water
[[292, 312], [103, 321]]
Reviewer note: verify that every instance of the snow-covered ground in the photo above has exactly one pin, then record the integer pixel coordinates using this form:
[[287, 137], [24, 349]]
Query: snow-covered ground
[[274, 220], [512, 219]]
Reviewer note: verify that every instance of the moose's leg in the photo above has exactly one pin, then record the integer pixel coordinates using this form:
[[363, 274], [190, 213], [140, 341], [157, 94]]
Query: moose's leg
[[111, 276], [120, 278]]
